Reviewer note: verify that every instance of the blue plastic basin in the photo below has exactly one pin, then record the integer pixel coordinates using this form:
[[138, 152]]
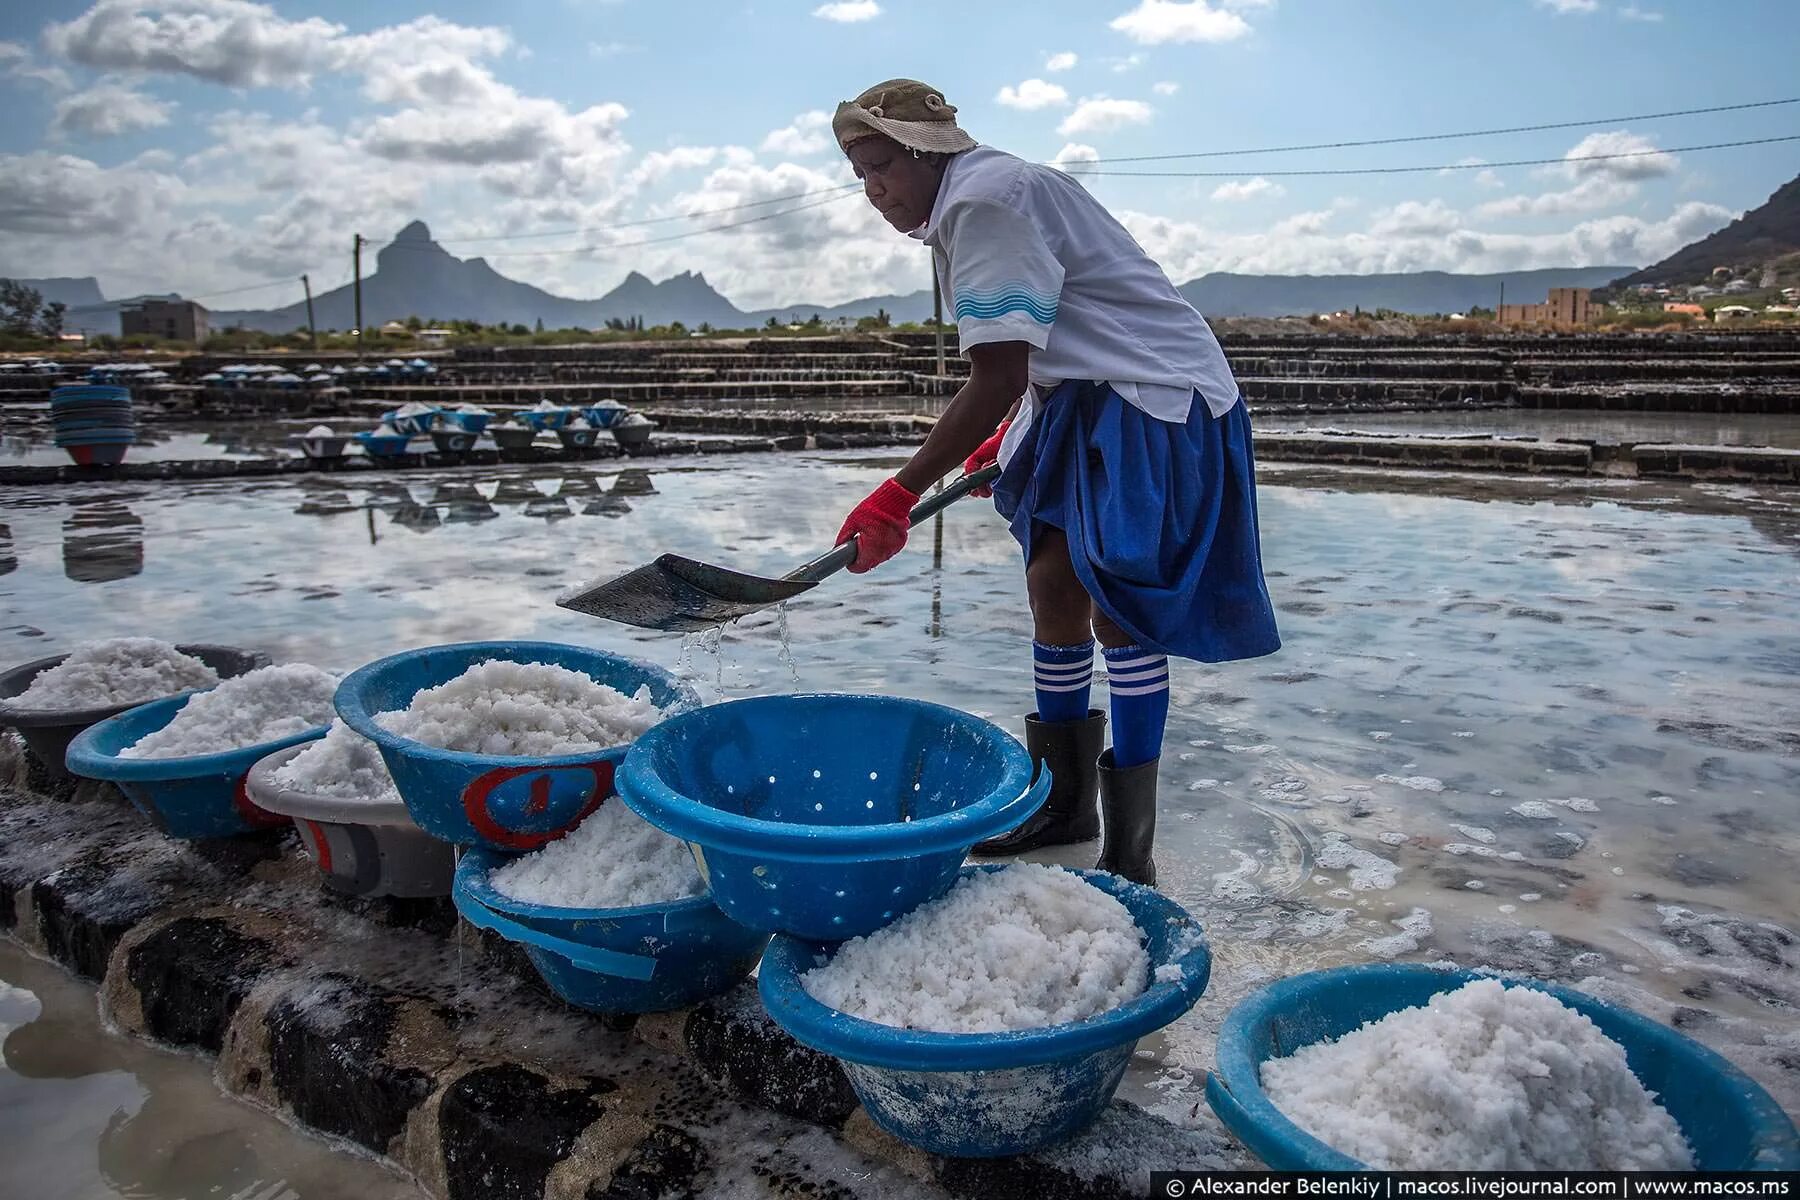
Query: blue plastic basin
[[505, 802], [827, 816], [605, 414], [983, 1095], [1731, 1122], [418, 423], [383, 445], [467, 422], [542, 419], [201, 796], [651, 958]]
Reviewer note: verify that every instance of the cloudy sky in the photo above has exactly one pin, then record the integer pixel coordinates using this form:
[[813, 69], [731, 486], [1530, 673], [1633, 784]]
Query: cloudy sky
[[211, 145]]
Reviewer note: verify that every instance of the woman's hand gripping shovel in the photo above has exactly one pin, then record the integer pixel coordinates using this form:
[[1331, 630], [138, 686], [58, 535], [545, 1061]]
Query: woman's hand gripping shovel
[[683, 595]]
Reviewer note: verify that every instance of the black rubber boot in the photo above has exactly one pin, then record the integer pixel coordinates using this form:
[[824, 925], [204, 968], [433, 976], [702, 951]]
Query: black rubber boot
[[1128, 801], [1071, 749]]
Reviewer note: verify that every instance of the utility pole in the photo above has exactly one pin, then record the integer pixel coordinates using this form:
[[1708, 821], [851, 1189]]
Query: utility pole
[[311, 328], [356, 246], [937, 314]]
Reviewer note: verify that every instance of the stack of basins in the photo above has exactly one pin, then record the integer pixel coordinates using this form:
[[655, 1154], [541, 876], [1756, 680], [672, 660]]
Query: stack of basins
[[93, 422]]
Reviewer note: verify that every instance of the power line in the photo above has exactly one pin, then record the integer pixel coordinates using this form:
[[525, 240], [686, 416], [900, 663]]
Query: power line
[[1079, 166], [1387, 141], [1446, 137]]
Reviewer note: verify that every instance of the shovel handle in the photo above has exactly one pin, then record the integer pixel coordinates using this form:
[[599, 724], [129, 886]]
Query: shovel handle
[[839, 557]]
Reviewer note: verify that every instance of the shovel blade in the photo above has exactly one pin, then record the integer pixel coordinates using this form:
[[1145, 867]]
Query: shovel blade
[[678, 594]]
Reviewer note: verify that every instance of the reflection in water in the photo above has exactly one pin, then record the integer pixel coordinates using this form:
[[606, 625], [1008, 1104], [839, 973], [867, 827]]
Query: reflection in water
[[549, 508], [633, 481], [420, 518], [8, 561], [516, 489], [91, 1115], [102, 542], [607, 505]]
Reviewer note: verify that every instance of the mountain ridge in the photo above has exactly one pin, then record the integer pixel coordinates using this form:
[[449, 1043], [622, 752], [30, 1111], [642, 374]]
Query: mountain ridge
[[415, 276], [1767, 232]]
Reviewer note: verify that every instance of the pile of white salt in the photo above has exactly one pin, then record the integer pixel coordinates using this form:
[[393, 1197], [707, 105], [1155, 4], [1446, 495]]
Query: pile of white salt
[[1484, 1078], [115, 671], [262, 706], [1019, 948], [533, 710], [613, 859], [343, 764]]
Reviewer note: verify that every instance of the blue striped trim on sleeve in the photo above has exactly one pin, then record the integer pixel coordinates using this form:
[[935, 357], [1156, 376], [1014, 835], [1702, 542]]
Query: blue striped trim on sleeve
[[1000, 301]]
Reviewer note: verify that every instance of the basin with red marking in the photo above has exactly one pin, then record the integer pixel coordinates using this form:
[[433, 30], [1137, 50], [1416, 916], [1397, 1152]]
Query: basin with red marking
[[508, 803]]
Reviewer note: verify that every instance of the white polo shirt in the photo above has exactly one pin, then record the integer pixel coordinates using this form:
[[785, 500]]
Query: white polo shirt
[[1025, 254]]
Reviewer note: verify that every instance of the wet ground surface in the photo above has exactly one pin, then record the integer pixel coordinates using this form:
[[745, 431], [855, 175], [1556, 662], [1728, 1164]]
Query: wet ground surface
[[1540, 725], [1745, 429], [85, 1115]]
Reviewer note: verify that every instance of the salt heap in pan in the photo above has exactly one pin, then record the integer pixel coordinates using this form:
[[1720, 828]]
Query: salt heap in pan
[[262, 706], [613, 859], [1485, 1078], [532, 710], [343, 764], [320, 431], [113, 672], [1018, 948]]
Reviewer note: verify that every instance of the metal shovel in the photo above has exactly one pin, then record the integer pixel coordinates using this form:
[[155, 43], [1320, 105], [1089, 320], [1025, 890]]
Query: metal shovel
[[681, 594]]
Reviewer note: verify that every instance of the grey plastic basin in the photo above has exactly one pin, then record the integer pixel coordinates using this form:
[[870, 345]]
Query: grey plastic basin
[[363, 847]]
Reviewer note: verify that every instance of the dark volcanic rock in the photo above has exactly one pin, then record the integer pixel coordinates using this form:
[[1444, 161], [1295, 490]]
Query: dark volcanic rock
[[330, 1065], [733, 1041], [79, 935], [191, 975], [503, 1128], [663, 1166]]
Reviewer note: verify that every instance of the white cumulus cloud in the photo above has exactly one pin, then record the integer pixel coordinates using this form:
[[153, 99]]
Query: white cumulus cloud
[[808, 133], [1165, 88], [1076, 158], [1155, 22], [848, 11], [1032, 95], [107, 109], [1097, 114], [1647, 162], [1248, 189], [1061, 62]]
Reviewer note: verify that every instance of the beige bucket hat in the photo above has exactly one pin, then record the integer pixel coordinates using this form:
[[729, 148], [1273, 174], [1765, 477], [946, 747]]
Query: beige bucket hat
[[912, 113]]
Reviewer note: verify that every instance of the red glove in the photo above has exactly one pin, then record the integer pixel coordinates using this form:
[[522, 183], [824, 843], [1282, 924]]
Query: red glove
[[879, 524], [987, 452]]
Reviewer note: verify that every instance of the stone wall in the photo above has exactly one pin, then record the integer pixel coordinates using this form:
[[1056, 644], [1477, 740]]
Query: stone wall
[[388, 1024]]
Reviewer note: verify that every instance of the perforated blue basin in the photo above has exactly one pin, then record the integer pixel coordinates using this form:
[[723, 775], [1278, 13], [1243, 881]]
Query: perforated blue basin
[[827, 816], [506, 802], [199, 796], [983, 1095], [652, 958], [1731, 1122]]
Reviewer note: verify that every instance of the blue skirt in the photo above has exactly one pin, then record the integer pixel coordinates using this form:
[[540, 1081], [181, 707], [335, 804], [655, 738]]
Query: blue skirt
[[1160, 518]]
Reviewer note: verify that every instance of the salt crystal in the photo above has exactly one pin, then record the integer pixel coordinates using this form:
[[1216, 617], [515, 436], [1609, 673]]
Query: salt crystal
[[264, 705], [342, 764], [1483, 1078], [514, 709], [613, 859], [113, 672], [1019, 948]]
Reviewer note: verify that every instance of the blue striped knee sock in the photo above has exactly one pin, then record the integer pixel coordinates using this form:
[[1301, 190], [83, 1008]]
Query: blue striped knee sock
[[1063, 675], [1139, 682]]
